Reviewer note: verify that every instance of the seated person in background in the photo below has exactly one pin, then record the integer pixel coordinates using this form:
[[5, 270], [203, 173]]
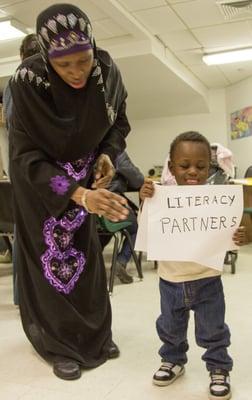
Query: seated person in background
[[221, 165], [29, 47], [127, 178], [248, 173], [5, 255]]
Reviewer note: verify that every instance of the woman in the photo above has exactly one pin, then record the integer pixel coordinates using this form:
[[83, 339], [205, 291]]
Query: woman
[[68, 120]]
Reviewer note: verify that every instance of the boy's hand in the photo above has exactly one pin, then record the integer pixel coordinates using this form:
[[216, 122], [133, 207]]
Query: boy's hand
[[147, 189], [240, 236]]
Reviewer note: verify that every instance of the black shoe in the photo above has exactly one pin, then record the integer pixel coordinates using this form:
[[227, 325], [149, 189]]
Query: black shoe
[[167, 373], [67, 369], [122, 274], [113, 351]]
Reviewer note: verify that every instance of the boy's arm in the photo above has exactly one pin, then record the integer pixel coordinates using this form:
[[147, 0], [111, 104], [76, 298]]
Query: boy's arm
[[240, 236]]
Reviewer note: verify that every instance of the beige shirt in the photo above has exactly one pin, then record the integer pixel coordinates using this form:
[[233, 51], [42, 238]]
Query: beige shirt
[[183, 271]]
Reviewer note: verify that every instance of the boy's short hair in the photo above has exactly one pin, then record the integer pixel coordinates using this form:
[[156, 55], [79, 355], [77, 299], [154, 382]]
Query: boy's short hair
[[189, 136], [29, 46]]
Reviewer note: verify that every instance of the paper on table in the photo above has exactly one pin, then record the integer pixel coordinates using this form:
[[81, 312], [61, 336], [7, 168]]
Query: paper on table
[[242, 181]]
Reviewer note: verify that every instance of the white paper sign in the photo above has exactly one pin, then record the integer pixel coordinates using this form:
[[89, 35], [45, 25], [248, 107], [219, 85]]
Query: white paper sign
[[141, 239], [191, 223]]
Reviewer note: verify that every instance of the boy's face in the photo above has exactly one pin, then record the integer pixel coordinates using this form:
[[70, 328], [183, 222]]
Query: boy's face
[[190, 163]]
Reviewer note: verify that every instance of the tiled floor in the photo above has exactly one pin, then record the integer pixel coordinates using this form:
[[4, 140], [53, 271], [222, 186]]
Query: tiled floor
[[24, 376]]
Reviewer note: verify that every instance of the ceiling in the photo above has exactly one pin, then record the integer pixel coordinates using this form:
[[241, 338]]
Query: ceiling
[[158, 45]]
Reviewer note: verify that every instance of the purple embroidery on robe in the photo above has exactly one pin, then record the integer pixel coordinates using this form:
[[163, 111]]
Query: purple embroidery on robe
[[63, 269], [62, 264], [78, 169], [59, 184]]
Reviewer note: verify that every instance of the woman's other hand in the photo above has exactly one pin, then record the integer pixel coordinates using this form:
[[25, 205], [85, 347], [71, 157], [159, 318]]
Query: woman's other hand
[[240, 236], [108, 204], [102, 202], [104, 172], [147, 189]]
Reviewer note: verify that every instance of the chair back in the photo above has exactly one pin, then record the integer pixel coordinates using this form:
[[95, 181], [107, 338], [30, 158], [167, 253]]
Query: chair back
[[111, 226]]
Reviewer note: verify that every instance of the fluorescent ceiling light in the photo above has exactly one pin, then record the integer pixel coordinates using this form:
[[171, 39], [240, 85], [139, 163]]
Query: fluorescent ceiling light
[[227, 57], [11, 29]]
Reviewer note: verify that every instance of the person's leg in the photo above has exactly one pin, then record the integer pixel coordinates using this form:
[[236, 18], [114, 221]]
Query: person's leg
[[5, 251], [125, 252], [210, 329], [213, 334], [105, 239], [172, 323], [3, 246], [172, 327]]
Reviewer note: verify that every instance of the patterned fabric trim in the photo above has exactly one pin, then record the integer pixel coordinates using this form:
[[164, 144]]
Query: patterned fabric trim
[[62, 264], [65, 42], [25, 73], [59, 184], [53, 26], [78, 169], [112, 114]]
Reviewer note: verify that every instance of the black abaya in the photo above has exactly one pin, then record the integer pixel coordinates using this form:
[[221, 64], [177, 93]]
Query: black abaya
[[54, 143]]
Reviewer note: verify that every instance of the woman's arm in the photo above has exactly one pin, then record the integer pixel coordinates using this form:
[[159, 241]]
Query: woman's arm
[[114, 142]]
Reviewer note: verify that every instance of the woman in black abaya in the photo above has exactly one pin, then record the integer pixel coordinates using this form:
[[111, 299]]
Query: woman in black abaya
[[68, 125]]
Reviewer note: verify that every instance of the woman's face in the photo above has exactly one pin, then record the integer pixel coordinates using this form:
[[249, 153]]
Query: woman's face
[[74, 68]]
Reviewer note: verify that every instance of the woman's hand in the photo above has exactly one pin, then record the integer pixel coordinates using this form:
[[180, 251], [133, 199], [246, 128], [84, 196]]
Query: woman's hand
[[147, 189], [108, 204], [104, 172], [102, 202], [240, 236]]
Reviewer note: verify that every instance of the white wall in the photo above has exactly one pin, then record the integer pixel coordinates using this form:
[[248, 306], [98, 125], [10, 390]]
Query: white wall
[[149, 141], [240, 96]]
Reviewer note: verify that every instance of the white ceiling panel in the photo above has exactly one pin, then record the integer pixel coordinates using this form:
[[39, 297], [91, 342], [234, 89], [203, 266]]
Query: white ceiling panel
[[211, 77], [190, 57], [3, 14], [27, 11], [129, 29], [235, 34], [178, 1], [237, 72], [199, 13], [160, 20], [4, 3], [133, 5], [180, 40], [106, 29]]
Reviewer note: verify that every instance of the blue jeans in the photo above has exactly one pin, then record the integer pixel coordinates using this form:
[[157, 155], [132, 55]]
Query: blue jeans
[[125, 252], [206, 298]]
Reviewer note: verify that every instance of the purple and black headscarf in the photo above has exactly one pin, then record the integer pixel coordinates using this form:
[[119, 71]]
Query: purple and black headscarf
[[64, 29], [58, 117]]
